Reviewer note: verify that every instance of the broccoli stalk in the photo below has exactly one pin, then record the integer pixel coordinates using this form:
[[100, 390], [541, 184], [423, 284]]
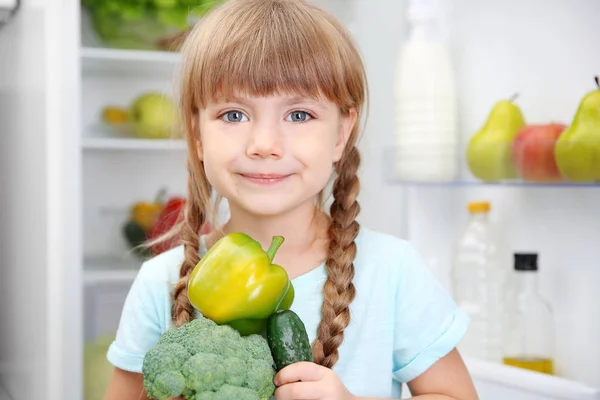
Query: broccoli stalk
[[205, 361]]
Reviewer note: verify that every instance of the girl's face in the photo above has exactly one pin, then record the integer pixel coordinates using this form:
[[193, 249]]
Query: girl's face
[[270, 155]]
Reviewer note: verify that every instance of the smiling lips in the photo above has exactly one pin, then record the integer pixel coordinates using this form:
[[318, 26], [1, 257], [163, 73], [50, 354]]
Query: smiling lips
[[265, 179]]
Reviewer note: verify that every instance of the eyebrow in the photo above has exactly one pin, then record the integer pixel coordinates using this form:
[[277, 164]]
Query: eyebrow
[[229, 99], [289, 101], [297, 100]]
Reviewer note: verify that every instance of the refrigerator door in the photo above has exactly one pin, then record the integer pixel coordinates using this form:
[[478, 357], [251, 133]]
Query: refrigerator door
[[39, 202], [500, 382]]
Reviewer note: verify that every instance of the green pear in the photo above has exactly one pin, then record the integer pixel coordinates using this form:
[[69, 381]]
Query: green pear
[[577, 151], [489, 150]]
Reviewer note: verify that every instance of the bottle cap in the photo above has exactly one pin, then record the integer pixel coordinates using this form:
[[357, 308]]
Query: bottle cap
[[422, 10], [526, 262], [479, 207]]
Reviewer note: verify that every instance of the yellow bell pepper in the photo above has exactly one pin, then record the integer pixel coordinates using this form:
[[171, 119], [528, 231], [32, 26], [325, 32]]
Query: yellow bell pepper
[[237, 284], [145, 214]]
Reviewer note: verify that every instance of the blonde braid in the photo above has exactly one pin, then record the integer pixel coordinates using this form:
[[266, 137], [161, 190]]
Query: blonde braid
[[195, 216], [339, 291]]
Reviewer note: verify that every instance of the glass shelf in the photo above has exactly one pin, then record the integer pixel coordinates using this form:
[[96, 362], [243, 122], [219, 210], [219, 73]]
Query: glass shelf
[[133, 144], [130, 62], [503, 184], [113, 269], [434, 167], [101, 54]]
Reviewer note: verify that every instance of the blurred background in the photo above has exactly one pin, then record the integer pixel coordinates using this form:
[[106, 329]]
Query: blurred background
[[482, 142]]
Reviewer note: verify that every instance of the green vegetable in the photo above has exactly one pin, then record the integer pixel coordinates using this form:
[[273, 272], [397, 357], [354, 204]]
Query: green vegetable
[[144, 24], [205, 361], [97, 370], [236, 283], [136, 236], [288, 339]]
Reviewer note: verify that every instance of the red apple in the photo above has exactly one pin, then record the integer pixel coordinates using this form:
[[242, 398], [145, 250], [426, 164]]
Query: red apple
[[533, 152]]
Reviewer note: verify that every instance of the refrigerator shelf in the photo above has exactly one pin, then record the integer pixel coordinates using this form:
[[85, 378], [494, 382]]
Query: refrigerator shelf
[[502, 184], [441, 166], [496, 380], [95, 143], [109, 277], [132, 62], [107, 270]]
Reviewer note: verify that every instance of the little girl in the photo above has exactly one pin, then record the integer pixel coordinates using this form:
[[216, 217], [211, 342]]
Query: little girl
[[272, 93]]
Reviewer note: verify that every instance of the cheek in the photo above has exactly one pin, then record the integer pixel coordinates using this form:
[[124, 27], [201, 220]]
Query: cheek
[[322, 148], [318, 157], [211, 171], [322, 170], [217, 157]]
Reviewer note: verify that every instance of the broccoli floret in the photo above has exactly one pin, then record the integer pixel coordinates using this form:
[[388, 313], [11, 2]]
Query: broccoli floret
[[228, 392], [260, 377], [258, 350], [169, 384], [205, 361], [236, 371], [203, 372], [166, 357]]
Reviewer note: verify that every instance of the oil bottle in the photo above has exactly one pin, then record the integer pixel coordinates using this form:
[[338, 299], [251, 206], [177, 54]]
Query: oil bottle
[[529, 335]]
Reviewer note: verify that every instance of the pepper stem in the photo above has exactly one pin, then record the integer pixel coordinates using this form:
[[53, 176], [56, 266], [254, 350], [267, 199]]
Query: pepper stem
[[160, 196], [275, 245], [597, 79]]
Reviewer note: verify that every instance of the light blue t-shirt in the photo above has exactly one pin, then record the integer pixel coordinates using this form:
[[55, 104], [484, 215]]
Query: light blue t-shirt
[[402, 320]]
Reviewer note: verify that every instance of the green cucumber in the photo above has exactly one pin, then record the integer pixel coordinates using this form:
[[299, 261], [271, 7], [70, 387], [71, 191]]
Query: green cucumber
[[288, 339]]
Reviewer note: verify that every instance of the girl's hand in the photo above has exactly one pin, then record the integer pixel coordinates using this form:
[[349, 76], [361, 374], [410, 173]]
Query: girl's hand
[[309, 381]]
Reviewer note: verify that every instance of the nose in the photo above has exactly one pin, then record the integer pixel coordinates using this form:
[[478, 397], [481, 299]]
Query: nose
[[265, 142]]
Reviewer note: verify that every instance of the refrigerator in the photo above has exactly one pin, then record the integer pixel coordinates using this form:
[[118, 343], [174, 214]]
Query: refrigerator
[[67, 182]]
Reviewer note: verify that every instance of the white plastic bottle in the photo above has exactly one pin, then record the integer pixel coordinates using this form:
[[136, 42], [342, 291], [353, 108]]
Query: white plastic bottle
[[479, 274], [427, 140]]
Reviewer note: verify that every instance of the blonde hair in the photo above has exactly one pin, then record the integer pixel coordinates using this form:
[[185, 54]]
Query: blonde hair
[[262, 47]]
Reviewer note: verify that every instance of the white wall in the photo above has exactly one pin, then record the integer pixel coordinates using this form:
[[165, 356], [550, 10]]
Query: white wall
[[23, 246], [378, 29], [548, 51], [39, 285]]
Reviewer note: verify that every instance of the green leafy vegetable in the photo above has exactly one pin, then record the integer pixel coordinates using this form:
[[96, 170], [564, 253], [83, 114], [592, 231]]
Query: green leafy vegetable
[[203, 360], [144, 24]]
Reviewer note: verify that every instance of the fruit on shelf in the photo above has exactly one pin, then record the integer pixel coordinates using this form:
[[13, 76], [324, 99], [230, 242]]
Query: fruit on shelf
[[145, 214], [170, 215], [154, 115], [142, 218], [489, 149], [533, 152], [151, 115], [577, 151], [114, 115]]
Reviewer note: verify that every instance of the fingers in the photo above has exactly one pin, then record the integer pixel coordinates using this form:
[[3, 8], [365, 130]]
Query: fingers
[[299, 391], [301, 371]]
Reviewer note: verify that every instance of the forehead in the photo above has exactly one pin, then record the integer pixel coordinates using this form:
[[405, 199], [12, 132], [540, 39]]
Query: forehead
[[277, 98]]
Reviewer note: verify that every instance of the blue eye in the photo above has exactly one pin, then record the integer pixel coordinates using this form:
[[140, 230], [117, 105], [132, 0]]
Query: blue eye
[[234, 116], [299, 116]]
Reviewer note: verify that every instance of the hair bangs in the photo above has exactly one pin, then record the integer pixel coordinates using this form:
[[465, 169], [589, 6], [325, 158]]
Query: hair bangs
[[273, 47]]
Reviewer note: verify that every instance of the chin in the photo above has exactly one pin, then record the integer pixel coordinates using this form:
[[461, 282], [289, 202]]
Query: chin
[[267, 204], [265, 208]]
